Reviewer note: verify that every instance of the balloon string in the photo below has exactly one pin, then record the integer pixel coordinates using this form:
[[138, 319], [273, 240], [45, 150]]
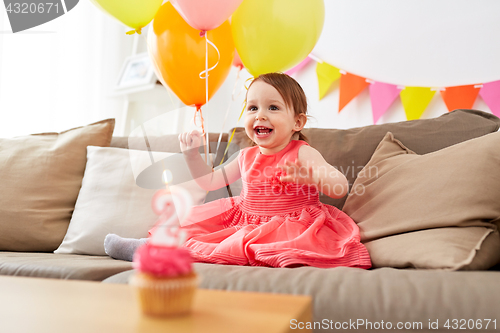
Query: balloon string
[[233, 98], [142, 36], [235, 84], [202, 76], [239, 118], [206, 68], [206, 93], [232, 134], [198, 110]]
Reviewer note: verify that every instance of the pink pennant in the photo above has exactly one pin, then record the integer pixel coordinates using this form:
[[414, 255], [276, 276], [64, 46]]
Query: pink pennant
[[382, 95], [299, 66], [490, 93]]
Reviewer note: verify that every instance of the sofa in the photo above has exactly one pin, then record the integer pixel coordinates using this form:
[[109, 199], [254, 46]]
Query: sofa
[[428, 221]]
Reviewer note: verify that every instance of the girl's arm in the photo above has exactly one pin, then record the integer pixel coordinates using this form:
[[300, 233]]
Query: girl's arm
[[207, 179], [311, 168]]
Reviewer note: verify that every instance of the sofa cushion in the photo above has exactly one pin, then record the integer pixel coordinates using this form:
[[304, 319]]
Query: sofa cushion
[[111, 202], [429, 211], [60, 266], [470, 248], [41, 178], [170, 143], [349, 150], [344, 294]]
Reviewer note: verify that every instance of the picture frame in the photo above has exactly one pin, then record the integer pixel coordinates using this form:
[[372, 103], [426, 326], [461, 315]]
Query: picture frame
[[137, 74]]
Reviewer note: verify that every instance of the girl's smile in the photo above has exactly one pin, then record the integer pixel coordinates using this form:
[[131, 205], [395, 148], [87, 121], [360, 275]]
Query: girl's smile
[[262, 131]]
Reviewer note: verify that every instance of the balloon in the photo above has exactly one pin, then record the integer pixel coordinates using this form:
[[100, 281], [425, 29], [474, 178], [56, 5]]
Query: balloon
[[133, 13], [178, 54], [237, 61], [276, 35], [205, 15]]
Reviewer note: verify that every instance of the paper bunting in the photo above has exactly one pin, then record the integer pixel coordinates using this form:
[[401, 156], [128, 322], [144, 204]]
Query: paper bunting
[[327, 74], [460, 97], [297, 68], [350, 86], [415, 101], [382, 95], [490, 93]]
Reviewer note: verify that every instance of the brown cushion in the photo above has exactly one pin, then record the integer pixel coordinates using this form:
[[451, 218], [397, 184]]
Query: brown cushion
[[471, 248], [168, 143], [41, 178], [429, 211], [349, 150], [61, 266]]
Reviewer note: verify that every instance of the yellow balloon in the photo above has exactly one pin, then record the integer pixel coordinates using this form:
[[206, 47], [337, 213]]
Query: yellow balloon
[[275, 35], [133, 13]]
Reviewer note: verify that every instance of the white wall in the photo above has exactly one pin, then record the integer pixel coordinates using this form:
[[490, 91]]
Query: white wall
[[61, 74]]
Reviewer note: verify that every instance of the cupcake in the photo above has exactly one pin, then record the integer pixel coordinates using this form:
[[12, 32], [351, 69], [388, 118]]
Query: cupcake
[[165, 281]]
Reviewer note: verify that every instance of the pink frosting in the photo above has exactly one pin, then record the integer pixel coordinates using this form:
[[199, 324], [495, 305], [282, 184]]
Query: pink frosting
[[162, 260]]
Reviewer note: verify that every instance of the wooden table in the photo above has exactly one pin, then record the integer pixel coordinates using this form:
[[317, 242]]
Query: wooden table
[[47, 305]]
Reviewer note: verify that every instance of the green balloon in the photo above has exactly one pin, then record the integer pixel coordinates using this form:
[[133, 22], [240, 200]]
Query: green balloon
[[276, 35]]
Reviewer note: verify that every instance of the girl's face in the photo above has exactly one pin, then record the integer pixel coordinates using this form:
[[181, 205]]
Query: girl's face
[[269, 122]]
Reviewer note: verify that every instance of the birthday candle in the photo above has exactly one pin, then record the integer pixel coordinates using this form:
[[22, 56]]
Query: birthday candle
[[172, 205]]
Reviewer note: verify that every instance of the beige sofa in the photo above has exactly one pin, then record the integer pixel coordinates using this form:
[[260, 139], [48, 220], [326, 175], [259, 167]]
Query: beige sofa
[[345, 298]]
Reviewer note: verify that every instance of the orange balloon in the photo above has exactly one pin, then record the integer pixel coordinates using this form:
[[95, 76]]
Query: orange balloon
[[178, 53]]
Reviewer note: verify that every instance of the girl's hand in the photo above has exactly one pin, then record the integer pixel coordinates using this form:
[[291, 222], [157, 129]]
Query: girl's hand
[[298, 173], [190, 142]]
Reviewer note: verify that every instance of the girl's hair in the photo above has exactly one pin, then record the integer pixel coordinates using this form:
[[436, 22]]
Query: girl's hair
[[291, 92]]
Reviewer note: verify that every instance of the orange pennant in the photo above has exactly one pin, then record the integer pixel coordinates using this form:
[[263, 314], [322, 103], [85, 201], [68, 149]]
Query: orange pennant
[[460, 97], [350, 86]]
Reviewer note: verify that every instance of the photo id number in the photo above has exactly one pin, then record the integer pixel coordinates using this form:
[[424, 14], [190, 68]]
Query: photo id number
[[462, 324], [27, 8]]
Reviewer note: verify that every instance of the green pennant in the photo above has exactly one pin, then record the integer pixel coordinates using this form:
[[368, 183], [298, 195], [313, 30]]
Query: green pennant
[[415, 100], [327, 74]]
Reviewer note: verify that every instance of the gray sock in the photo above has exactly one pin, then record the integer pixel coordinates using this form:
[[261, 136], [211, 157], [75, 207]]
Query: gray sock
[[121, 248]]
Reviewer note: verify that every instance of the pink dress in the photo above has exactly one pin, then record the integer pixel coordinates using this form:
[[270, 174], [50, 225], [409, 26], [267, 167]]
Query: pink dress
[[273, 223]]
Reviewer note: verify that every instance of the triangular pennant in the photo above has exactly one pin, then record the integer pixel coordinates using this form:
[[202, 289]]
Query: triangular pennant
[[350, 86], [327, 74], [382, 95], [297, 68], [415, 100], [460, 97], [490, 93]]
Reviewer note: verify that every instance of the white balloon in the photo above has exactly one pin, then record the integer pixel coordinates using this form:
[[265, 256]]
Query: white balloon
[[414, 42]]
